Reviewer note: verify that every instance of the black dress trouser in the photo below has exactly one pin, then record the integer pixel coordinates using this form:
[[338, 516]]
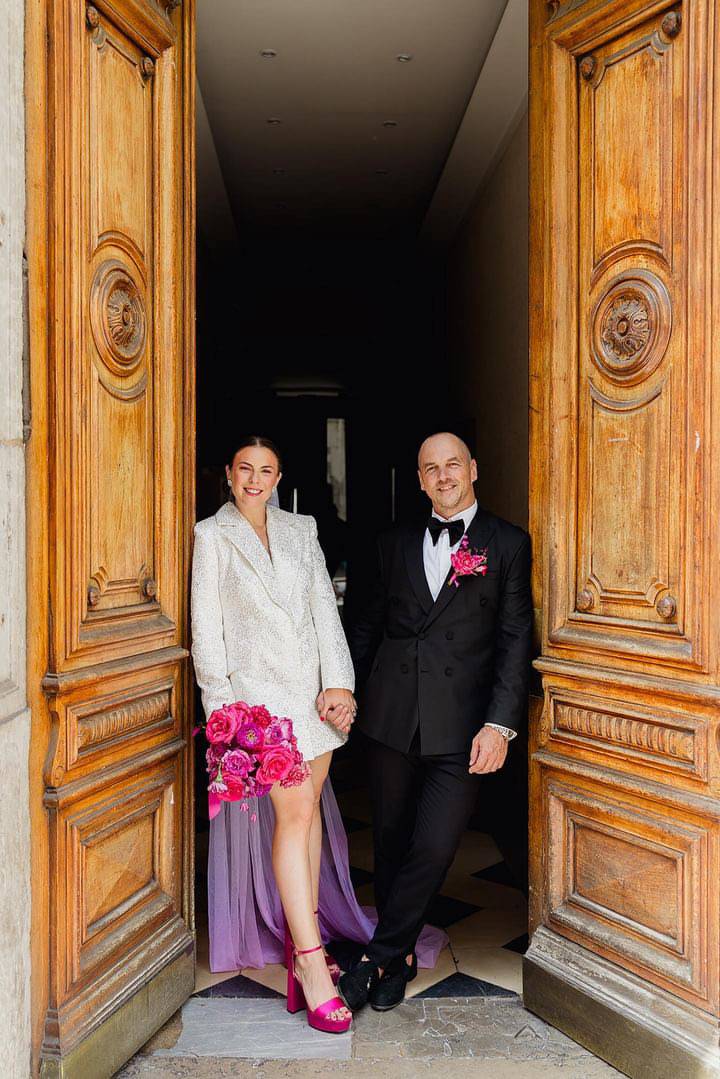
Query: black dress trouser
[[421, 807]]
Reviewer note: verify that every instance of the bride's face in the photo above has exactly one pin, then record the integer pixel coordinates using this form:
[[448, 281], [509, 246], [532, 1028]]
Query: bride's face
[[253, 476]]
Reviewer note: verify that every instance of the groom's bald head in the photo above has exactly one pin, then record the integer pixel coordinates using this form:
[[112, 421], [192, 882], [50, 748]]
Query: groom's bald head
[[447, 471], [443, 440]]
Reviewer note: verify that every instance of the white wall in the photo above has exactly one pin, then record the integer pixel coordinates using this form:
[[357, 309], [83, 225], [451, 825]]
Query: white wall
[[14, 716]]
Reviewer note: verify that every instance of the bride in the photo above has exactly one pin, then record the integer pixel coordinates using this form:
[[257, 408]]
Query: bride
[[266, 631]]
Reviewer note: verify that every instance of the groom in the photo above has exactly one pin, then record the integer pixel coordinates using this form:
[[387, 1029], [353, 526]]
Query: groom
[[445, 670]]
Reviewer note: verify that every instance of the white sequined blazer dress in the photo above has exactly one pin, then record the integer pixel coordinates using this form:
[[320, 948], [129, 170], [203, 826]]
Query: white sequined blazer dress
[[266, 630]]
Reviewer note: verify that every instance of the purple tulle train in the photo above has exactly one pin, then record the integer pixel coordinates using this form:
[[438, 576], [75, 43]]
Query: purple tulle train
[[244, 911]]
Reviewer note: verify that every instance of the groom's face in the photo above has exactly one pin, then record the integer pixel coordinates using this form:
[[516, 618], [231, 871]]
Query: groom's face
[[447, 473]]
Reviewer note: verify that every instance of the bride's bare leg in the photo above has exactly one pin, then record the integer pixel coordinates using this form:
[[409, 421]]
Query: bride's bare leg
[[294, 810], [318, 774]]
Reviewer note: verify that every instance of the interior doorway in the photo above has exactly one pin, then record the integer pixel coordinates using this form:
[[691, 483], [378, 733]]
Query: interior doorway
[[332, 321]]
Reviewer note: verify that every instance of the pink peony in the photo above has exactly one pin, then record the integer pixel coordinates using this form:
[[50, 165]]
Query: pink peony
[[279, 731], [221, 726], [213, 756], [250, 736], [275, 765], [236, 762]]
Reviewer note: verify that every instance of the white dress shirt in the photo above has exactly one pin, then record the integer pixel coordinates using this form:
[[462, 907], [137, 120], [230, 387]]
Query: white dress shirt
[[436, 559]]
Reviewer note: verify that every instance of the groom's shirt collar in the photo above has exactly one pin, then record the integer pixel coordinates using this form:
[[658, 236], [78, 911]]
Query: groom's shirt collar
[[467, 515]]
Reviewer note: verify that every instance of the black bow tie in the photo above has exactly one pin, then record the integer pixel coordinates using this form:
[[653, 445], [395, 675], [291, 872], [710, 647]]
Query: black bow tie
[[456, 530]]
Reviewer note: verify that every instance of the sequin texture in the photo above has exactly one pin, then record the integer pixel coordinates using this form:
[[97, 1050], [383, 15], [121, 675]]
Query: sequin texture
[[267, 630]]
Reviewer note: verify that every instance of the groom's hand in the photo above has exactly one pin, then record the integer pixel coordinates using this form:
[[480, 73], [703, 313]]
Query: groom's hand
[[488, 751], [337, 706]]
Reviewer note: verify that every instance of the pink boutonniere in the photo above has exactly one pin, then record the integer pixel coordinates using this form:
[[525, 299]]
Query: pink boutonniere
[[467, 562]]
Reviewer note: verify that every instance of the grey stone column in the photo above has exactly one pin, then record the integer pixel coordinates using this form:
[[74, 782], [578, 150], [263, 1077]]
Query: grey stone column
[[14, 714]]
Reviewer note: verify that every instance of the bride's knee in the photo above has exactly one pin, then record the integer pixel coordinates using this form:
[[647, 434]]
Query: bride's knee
[[296, 813]]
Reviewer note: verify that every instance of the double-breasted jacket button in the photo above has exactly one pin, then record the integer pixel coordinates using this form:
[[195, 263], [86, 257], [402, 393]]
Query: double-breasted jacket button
[[483, 601], [448, 672], [422, 636], [404, 668], [449, 636]]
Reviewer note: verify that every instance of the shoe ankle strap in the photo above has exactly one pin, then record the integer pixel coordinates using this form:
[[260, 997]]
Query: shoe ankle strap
[[307, 951]]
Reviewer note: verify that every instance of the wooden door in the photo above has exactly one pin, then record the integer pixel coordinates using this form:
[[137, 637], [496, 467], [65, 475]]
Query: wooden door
[[110, 231], [626, 437]]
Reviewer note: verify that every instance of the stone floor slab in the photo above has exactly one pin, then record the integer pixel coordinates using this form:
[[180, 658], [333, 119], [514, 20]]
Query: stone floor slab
[[256, 1029], [223, 1037]]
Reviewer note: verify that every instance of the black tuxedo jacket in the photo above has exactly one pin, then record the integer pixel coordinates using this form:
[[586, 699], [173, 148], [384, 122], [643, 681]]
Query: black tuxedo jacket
[[451, 665]]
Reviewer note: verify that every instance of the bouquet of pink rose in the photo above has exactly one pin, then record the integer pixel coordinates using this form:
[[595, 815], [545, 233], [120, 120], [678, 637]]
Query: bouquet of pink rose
[[249, 751]]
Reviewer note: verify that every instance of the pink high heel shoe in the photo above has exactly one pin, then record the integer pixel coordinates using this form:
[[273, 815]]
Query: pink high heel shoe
[[333, 968], [318, 1018]]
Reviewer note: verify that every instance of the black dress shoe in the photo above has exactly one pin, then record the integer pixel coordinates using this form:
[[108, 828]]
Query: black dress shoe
[[390, 990], [356, 985]]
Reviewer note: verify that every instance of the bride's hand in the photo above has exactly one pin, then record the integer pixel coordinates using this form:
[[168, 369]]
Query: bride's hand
[[338, 707]]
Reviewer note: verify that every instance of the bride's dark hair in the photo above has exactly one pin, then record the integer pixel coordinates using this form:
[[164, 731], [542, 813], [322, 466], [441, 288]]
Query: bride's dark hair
[[253, 440]]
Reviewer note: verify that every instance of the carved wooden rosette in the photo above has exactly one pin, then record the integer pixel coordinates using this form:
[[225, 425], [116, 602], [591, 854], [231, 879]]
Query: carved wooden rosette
[[115, 914], [625, 773], [631, 327], [118, 321]]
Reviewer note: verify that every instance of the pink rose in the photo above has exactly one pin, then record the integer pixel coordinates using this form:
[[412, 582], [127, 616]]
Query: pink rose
[[275, 765], [237, 786], [236, 762], [260, 715], [221, 726]]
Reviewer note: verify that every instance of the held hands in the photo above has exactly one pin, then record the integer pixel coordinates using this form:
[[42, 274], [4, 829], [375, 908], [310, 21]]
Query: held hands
[[488, 751], [337, 706]]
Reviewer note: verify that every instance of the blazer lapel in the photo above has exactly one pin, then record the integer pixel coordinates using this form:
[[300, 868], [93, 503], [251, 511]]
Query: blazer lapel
[[416, 568], [479, 534], [241, 534], [285, 555]]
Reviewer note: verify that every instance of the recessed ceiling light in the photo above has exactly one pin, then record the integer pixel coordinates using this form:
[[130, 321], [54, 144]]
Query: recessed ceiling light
[[390, 123], [274, 120], [268, 54], [404, 57]]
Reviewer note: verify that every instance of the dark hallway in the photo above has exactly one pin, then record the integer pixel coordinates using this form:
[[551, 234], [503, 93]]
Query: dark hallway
[[332, 318]]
